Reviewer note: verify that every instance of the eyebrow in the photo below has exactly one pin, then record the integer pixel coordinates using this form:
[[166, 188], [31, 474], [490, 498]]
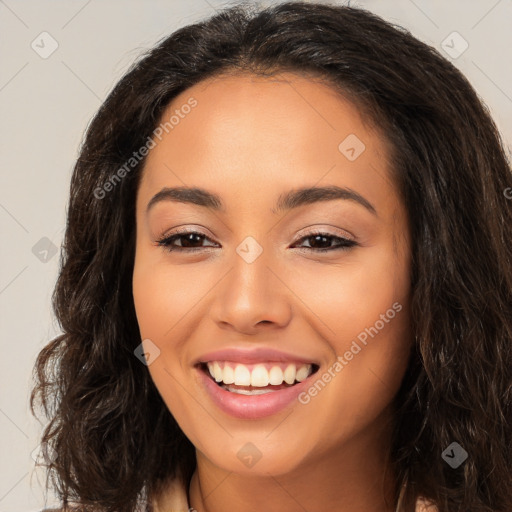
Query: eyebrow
[[286, 201]]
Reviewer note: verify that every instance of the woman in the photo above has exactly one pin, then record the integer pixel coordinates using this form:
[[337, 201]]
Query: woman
[[286, 280]]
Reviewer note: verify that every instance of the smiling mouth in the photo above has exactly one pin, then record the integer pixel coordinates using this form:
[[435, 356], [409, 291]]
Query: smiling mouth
[[259, 378]]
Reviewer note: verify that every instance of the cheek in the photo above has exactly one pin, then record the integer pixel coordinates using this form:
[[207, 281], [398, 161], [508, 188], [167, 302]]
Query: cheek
[[163, 294], [159, 307], [351, 297], [160, 300], [362, 309]]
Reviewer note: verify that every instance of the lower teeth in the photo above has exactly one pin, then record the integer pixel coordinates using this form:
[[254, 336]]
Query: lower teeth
[[246, 391]]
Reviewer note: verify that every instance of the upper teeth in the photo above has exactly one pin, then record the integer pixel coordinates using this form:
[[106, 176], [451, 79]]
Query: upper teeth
[[259, 375]]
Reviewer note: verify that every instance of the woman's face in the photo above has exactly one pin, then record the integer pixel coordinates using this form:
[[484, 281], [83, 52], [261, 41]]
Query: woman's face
[[252, 295]]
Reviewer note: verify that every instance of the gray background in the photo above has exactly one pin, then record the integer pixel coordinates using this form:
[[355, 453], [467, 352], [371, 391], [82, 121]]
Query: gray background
[[46, 104]]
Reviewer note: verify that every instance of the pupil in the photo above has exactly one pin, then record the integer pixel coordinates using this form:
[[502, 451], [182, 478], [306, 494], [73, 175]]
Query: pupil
[[189, 239], [320, 237]]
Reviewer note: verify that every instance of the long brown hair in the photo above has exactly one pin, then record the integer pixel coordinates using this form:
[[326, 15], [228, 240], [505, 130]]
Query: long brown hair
[[115, 442]]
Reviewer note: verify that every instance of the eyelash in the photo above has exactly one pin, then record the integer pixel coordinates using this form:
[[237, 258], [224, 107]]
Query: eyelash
[[166, 242]]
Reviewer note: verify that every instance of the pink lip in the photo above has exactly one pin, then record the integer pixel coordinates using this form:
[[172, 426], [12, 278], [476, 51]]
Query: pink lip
[[255, 406], [255, 355]]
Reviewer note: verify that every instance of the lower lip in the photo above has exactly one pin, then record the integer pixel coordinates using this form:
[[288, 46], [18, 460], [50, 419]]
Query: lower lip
[[251, 406]]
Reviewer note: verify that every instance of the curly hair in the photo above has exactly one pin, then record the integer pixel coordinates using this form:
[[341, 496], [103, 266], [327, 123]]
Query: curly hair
[[114, 441]]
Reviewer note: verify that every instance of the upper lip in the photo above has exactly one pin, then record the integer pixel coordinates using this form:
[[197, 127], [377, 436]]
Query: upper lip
[[253, 355]]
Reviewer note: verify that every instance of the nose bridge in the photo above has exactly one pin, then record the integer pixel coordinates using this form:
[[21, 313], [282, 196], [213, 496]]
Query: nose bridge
[[250, 293]]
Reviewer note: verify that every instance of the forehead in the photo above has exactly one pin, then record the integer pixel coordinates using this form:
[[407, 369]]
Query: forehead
[[287, 105], [255, 131]]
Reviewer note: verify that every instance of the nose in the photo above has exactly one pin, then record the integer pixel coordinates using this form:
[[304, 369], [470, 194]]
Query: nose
[[252, 297]]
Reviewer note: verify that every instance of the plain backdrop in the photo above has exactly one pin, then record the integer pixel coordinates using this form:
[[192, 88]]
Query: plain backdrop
[[46, 103]]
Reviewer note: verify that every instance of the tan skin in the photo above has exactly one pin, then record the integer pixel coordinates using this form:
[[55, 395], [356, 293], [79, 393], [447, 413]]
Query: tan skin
[[250, 139]]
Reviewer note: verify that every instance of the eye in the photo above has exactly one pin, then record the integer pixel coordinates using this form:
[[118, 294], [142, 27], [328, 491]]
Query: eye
[[187, 241], [324, 241]]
